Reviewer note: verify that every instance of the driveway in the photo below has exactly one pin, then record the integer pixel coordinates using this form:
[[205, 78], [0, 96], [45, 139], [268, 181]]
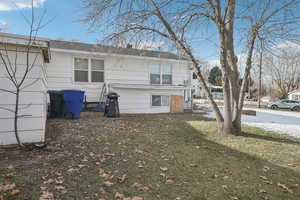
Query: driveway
[[284, 122]]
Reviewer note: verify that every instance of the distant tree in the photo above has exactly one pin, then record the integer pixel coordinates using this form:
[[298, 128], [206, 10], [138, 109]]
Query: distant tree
[[215, 76], [284, 69]]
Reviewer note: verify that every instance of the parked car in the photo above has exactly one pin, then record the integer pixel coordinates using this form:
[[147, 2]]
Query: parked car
[[285, 104]]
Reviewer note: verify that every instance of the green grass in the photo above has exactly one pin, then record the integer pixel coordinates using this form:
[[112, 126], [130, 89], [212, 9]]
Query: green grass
[[201, 164]]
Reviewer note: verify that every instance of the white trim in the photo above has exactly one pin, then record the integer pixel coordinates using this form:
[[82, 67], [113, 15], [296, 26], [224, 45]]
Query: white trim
[[117, 55], [148, 86]]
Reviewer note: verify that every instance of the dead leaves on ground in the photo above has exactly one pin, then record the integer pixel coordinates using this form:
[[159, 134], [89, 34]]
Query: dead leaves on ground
[[119, 196], [8, 189], [284, 187], [56, 183]]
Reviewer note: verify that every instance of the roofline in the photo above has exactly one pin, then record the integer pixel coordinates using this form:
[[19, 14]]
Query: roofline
[[17, 36], [114, 54]]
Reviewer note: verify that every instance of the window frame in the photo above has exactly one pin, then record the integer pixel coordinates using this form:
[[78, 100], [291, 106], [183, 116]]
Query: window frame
[[89, 70], [161, 100], [74, 69], [161, 73], [91, 80]]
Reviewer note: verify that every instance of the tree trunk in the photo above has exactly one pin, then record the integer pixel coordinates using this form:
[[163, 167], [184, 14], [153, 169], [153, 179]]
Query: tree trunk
[[17, 117], [260, 74]]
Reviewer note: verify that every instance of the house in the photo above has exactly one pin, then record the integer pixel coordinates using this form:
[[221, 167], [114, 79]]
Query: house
[[198, 91], [147, 81], [32, 97], [294, 95]]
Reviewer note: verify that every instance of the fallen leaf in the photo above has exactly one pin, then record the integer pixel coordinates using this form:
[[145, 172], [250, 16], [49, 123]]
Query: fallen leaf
[[59, 187], [99, 156], [164, 169], [137, 198], [284, 187], [144, 189], [170, 182], [59, 182], [119, 196], [45, 164], [49, 181], [137, 185], [15, 192], [108, 183], [263, 177], [121, 179], [46, 196], [262, 191]]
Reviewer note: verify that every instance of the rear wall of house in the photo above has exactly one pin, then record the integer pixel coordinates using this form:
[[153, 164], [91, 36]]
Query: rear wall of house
[[118, 69]]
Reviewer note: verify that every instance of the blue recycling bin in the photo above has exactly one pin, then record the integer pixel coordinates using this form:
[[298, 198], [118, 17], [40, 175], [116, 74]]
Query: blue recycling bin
[[73, 102]]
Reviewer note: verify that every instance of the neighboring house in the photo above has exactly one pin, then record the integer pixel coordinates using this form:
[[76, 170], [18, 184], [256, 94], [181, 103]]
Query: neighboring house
[[198, 91], [294, 95], [147, 81], [32, 99]]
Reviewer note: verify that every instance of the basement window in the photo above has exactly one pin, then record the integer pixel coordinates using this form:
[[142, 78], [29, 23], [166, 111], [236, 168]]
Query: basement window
[[160, 100]]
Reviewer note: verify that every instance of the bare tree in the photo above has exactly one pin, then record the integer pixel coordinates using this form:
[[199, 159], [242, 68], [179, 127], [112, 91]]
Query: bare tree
[[284, 67], [9, 56], [178, 21]]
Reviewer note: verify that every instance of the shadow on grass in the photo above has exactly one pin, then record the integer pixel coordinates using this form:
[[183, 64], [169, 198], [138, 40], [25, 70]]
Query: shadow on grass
[[269, 138], [203, 169]]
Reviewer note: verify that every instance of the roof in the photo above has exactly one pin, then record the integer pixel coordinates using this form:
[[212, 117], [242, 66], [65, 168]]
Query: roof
[[96, 48], [295, 91], [21, 40]]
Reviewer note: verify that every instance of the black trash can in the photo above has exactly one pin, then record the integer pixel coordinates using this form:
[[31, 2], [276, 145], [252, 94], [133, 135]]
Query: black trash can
[[112, 105], [57, 104]]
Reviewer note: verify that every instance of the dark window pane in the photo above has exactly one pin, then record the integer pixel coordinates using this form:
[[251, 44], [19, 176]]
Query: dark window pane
[[155, 78], [156, 100], [166, 79], [194, 76], [97, 76], [81, 76]]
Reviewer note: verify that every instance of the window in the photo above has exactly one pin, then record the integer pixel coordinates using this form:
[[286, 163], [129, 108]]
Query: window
[[160, 100], [97, 70], [166, 74], [194, 75], [81, 66], [88, 70], [160, 74], [154, 74]]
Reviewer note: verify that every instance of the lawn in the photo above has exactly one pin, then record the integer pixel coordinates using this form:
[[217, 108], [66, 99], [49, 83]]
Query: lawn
[[167, 156]]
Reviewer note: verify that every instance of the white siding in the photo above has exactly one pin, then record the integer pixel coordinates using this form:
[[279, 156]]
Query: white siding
[[32, 102], [118, 69], [139, 101]]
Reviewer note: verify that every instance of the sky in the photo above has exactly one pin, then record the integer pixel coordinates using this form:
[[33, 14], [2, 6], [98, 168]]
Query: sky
[[64, 17]]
